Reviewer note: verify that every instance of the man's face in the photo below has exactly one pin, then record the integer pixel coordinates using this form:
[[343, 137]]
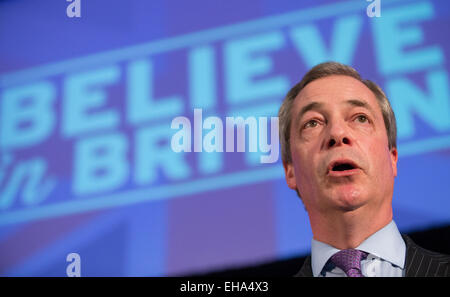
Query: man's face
[[340, 155]]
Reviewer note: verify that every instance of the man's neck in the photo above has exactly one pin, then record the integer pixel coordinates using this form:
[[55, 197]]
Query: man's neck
[[344, 230]]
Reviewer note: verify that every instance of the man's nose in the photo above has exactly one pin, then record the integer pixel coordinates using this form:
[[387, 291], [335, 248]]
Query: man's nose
[[338, 135]]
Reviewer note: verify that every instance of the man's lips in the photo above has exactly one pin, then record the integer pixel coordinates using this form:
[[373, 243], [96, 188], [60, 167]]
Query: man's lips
[[343, 167], [344, 173]]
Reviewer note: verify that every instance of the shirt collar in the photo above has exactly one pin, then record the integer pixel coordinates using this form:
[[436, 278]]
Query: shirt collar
[[386, 243]]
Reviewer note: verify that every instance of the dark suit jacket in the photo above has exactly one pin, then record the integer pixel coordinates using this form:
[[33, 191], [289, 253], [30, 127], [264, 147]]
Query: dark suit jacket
[[419, 262]]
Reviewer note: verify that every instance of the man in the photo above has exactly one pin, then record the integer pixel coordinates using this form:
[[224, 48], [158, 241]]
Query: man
[[339, 151]]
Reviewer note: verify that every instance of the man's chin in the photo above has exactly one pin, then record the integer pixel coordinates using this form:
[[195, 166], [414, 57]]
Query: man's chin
[[348, 199], [349, 207]]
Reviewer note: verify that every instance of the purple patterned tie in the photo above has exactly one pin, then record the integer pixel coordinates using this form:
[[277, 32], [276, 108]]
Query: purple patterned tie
[[350, 261]]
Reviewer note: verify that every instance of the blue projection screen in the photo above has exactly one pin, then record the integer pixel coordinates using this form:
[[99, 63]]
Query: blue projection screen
[[86, 109]]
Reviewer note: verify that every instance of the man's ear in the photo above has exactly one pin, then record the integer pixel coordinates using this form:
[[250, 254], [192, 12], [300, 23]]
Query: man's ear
[[394, 159], [289, 174]]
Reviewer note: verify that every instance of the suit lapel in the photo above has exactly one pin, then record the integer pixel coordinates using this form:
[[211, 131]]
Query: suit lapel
[[414, 258], [306, 270]]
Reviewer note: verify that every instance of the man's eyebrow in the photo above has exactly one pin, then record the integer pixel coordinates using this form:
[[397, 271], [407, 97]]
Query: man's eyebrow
[[317, 105], [308, 107], [360, 103]]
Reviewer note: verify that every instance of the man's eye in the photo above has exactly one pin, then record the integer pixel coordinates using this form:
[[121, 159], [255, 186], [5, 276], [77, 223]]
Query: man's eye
[[311, 124], [362, 119]]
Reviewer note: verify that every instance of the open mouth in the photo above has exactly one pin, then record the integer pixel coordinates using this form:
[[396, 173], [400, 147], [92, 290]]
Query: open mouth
[[342, 167]]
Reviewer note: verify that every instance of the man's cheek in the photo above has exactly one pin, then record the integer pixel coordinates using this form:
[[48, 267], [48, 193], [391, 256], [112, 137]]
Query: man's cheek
[[377, 146], [381, 161]]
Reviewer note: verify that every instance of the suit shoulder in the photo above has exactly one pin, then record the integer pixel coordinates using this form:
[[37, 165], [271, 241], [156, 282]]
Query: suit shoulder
[[423, 262], [414, 246]]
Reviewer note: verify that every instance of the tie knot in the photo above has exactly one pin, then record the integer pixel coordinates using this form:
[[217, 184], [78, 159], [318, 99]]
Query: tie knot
[[350, 261]]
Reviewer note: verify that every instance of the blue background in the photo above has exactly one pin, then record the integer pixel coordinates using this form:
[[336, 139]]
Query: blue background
[[86, 106]]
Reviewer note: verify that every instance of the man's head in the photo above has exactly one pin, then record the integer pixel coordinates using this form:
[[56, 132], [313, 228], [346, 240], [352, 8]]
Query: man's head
[[338, 140]]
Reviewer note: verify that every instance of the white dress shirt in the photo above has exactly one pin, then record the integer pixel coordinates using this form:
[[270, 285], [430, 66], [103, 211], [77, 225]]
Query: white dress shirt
[[386, 255]]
